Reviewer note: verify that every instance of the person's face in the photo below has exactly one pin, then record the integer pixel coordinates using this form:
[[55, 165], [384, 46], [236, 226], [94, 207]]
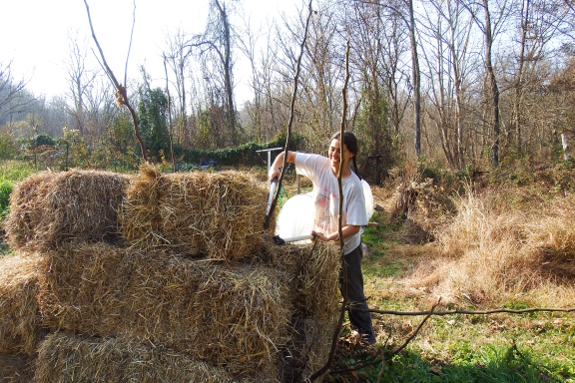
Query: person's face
[[335, 155]]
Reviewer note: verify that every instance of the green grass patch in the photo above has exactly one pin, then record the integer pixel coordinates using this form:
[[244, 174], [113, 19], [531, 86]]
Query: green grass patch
[[15, 171], [502, 362], [11, 172]]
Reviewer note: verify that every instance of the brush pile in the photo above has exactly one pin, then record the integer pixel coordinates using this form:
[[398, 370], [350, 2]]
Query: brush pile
[[159, 278]]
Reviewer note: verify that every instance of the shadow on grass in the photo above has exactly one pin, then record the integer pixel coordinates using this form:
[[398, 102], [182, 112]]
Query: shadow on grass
[[493, 364]]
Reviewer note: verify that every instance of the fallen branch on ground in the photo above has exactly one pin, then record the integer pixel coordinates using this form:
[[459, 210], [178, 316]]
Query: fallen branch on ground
[[469, 312]]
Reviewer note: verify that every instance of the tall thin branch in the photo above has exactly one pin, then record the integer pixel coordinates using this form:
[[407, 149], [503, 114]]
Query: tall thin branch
[[291, 117], [337, 330], [130, 46]]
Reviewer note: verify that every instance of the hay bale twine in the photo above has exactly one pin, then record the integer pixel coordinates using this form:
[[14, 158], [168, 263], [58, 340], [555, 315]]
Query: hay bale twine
[[217, 216], [236, 318], [19, 319], [69, 358], [47, 207]]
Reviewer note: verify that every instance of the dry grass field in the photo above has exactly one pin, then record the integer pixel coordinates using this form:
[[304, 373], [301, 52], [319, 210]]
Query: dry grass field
[[478, 245]]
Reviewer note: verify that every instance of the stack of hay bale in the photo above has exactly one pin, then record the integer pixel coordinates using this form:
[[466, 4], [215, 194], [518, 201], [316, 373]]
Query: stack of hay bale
[[159, 278]]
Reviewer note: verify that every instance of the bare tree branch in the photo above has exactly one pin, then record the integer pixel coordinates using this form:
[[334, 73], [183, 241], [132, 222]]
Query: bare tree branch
[[467, 312], [121, 94], [291, 116], [11, 92], [130, 46]]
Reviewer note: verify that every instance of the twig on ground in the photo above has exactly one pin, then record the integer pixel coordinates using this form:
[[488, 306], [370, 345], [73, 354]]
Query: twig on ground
[[382, 367]]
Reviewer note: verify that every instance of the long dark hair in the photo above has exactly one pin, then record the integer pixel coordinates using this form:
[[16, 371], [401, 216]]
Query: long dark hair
[[351, 143]]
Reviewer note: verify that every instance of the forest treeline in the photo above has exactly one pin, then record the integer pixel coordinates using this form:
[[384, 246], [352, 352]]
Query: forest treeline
[[469, 83]]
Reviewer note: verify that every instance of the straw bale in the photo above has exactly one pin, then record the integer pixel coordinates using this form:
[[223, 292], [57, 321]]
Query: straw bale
[[16, 368], [309, 347], [314, 276], [201, 214], [314, 279], [237, 318], [69, 358], [48, 207], [19, 319]]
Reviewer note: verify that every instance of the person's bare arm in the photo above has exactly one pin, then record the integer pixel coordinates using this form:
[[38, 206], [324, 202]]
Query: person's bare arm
[[278, 162], [347, 231]]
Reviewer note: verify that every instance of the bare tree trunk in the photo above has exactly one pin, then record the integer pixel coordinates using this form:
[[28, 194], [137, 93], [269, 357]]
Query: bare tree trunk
[[456, 54], [170, 116], [519, 76], [493, 86], [416, 82], [227, 61], [182, 64]]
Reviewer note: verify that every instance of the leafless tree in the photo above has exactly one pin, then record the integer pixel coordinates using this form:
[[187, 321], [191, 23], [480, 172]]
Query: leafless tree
[[247, 42], [404, 10], [377, 50], [320, 96], [215, 47], [79, 78], [538, 22], [170, 123], [268, 74], [13, 99], [449, 28], [416, 79], [490, 27], [177, 57]]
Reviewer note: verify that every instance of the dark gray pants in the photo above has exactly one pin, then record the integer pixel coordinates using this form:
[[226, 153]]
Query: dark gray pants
[[360, 320]]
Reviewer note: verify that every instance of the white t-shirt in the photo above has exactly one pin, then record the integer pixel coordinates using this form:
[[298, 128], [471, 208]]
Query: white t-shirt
[[326, 198]]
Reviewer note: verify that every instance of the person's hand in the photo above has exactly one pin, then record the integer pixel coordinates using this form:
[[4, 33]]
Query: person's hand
[[320, 236], [274, 173]]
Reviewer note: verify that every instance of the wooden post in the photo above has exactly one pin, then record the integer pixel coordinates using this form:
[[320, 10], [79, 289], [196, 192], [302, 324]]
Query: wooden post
[[565, 144]]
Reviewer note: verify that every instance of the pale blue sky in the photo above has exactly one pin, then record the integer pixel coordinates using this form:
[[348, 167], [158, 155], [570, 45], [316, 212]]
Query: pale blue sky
[[34, 34]]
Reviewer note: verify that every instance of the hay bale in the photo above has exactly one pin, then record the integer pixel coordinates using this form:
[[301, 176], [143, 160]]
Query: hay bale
[[314, 281], [314, 277], [19, 319], [68, 358], [308, 348], [17, 368], [201, 214], [234, 318], [48, 207]]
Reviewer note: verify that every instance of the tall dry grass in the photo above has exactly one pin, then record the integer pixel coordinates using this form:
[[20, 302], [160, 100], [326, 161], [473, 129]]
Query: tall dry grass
[[495, 252]]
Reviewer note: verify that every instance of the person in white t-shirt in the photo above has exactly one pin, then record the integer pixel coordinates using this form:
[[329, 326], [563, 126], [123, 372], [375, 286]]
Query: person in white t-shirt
[[322, 171]]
